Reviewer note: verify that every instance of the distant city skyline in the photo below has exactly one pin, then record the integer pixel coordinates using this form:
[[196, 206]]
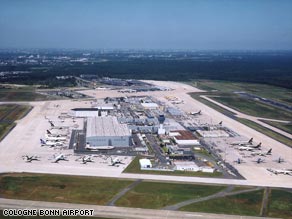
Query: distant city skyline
[[141, 24]]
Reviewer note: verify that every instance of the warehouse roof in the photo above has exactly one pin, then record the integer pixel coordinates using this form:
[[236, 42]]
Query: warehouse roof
[[106, 126], [85, 109], [149, 105], [183, 135], [145, 162]]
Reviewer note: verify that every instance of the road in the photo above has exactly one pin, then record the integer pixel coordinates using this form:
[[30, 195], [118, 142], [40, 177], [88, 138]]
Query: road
[[116, 212], [123, 192], [252, 118], [156, 148], [225, 192]]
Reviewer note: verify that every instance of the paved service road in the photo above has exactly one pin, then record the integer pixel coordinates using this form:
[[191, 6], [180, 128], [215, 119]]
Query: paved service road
[[225, 192], [123, 192], [117, 212]]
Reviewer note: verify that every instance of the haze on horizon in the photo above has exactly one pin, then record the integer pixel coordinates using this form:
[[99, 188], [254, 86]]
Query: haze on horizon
[[160, 24]]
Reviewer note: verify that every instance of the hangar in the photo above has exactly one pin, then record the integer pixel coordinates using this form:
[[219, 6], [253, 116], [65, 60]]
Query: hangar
[[145, 163], [90, 112], [107, 131]]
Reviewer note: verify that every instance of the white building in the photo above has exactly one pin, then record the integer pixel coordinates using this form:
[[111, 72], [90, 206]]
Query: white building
[[186, 166], [150, 105], [145, 163], [184, 137]]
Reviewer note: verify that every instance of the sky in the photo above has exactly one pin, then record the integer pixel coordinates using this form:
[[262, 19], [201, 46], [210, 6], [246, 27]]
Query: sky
[[151, 24]]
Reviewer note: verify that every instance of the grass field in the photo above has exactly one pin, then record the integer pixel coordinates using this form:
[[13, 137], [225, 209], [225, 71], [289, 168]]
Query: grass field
[[158, 195], [267, 91], [241, 204], [57, 188], [152, 195], [134, 167], [9, 113], [253, 108], [287, 127], [20, 94], [225, 94], [280, 204]]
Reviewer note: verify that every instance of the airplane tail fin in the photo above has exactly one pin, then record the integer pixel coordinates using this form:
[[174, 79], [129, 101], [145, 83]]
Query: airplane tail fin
[[259, 145], [42, 141], [48, 132], [269, 151], [250, 140]]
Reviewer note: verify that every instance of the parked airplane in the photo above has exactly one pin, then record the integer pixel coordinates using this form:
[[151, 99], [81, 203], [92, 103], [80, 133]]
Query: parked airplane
[[50, 143], [249, 148], [269, 152], [243, 143], [56, 127], [115, 161], [280, 160], [49, 133], [97, 148], [127, 91], [51, 138], [196, 113], [259, 160], [239, 161], [85, 159], [91, 148], [177, 101], [59, 157], [283, 171], [29, 159]]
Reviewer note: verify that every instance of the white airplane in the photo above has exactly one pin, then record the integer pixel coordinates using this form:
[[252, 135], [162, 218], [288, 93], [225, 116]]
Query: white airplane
[[127, 91], [50, 138], [97, 148], [56, 127], [243, 143], [177, 101], [280, 160], [91, 148], [269, 152], [85, 159], [50, 143], [239, 161], [59, 157], [283, 171], [115, 161], [50, 134], [196, 113], [29, 159], [250, 147], [259, 160]]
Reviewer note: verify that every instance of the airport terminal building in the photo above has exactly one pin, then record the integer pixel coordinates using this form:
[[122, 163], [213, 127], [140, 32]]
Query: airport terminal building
[[107, 131]]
